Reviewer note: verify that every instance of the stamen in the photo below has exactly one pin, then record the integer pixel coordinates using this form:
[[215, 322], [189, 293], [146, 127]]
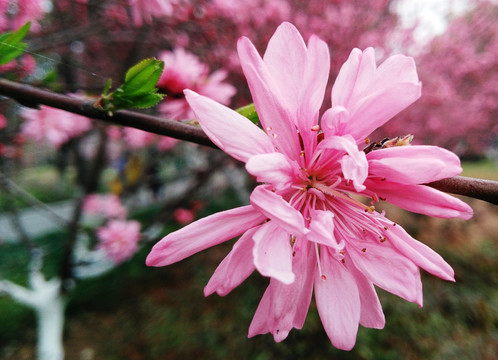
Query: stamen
[[319, 266], [337, 194], [337, 182], [292, 240], [315, 128]]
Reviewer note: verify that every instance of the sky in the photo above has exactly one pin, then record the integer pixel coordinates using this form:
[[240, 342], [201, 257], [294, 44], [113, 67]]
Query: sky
[[430, 14]]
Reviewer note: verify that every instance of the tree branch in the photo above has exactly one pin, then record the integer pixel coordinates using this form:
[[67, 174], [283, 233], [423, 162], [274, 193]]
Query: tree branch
[[486, 190], [32, 96]]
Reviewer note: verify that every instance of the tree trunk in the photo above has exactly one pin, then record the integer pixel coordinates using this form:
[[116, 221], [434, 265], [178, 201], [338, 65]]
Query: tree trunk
[[50, 328]]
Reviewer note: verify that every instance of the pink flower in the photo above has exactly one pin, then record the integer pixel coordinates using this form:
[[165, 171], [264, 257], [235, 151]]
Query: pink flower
[[144, 10], [165, 143], [3, 121], [183, 70], [14, 14], [136, 138], [184, 216], [119, 239], [303, 229], [53, 125], [108, 205]]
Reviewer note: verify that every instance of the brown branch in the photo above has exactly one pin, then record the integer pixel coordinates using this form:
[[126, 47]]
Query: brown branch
[[486, 190], [32, 96]]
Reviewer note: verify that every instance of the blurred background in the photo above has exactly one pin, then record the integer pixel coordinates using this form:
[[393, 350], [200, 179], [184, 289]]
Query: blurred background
[[83, 201]]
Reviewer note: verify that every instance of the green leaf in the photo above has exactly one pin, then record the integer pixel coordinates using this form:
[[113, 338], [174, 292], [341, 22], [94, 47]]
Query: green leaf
[[147, 100], [139, 89], [249, 111], [11, 45], [107, 87], [143, 77]]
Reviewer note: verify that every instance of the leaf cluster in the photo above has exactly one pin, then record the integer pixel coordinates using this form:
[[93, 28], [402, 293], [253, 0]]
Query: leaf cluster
[[138, 91]]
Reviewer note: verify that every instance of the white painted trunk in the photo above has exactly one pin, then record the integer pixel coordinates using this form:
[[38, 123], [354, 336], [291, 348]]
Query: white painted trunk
[[50, 329]]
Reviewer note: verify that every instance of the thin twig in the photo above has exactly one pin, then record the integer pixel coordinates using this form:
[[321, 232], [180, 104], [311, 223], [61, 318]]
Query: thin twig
[[32, 201], [15, 215], [486, 190]]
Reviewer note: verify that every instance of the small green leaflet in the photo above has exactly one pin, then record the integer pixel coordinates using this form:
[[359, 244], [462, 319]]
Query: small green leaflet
[[139, 89], [249, 111], [11, 45]]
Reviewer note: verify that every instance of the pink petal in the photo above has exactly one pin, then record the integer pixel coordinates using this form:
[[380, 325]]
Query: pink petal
[[273, 110], [316, 74], [355, 74], [354, 165], [421, 199], [284, 307], [273, 253], [322, 229], [202, 234], [338, 301], [422, 255], [335, 121], [380, 106], [413, 164], [235, 267], [371, 314], [285, 58], [278, 210], [273, 168], [230, 131], [389, 270], [396, 69], [373, 96]]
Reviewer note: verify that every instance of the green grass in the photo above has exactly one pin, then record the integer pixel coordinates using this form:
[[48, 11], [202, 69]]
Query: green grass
[[484, 169]]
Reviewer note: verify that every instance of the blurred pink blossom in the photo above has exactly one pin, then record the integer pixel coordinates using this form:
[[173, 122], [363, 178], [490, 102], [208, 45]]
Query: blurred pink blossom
[[119, 239], [184, 216], [108, 205], [3, 121], [305, 229], [22, 67], [114, 133], [137, 139], [53, 126], [144, 10], [165, 143], [183, 70], [15, 13]]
